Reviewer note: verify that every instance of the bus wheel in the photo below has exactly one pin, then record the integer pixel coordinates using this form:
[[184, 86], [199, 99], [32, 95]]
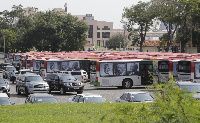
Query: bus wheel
[[127, 84]]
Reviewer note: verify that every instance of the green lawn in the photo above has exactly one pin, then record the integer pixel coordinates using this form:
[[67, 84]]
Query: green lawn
[[60, 113]]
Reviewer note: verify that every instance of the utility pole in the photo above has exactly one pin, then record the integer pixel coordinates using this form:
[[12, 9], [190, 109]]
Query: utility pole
[[4, 34]]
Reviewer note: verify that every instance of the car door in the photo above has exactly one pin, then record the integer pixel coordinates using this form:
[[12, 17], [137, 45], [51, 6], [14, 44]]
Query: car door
[[123, 98]]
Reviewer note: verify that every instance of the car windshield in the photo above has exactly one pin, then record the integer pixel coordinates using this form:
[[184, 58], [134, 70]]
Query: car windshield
[[95, 100], [45, 100], [2, 81], [191, 88], [11, 68], [64, 78], [4, 101], [34, 78], [141, 97]]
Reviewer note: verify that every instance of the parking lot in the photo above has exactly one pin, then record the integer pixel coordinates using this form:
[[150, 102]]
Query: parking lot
[[110, 93]]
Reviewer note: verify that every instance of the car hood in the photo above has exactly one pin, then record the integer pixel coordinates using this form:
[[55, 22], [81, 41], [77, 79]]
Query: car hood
[[35, 82], [3, 85]]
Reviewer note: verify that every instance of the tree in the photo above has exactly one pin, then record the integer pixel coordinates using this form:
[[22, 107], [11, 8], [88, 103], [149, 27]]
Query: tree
[[188, 23], [171, 13], [116, 41], [140, 15], [54, 31]]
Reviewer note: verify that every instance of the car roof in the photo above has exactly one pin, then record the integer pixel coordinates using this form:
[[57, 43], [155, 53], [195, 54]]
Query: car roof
[[90, 95], [3, 95], [187, 83], [137, 92], [30, 74], [25, 70], [41, 95]]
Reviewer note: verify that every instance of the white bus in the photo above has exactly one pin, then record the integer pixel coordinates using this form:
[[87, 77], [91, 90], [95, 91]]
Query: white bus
[[121, 73]]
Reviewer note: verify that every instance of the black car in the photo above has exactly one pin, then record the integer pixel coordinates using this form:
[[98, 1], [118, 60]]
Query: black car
[[190, 86], [4, 87], [64, 83], [41, 98]]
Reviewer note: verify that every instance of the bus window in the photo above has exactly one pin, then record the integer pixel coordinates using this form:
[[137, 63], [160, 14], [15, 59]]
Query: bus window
[[184, 66]]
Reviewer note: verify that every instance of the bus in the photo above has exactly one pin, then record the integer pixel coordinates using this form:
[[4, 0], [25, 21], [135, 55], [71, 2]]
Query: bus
[[186, 70], [121, 73], [167, 67], [57, 65]]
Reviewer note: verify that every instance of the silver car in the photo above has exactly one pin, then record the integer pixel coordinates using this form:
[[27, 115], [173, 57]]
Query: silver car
[[31, 83], [136, 97]]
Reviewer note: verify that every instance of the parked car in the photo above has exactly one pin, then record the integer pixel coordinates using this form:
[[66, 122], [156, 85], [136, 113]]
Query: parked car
[[190, 86], [7, 71], [135, 97], [31, 83], [5, 100], [41, 98], [87, 98], [4, 87], [64, 83], [81, 75]]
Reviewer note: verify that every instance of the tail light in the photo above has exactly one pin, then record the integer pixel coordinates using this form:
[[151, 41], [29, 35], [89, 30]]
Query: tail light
[[82, 77], [44, 74], [96, 79], [191, 80]]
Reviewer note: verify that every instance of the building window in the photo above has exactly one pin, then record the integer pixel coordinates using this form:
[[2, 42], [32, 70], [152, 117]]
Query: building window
[[98, 34], [98, 42], [105, 28], [98, 28], [105, 34], [90, 31], [103, 43]]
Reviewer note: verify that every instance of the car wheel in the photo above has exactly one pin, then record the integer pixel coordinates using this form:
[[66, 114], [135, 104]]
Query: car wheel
[[26, 92], [79, 92], [62, 91], [18, 91], [126, 84]]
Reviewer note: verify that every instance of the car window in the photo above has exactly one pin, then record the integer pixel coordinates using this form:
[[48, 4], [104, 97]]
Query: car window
[[64, 78], [34, 78], [76, 73], [80, 99], [191, 88], [141, 97], [4, 101], [11, 68], [128, 97], [84, 72], [95, 100], [123, 97], [76, 98], [2, 81]]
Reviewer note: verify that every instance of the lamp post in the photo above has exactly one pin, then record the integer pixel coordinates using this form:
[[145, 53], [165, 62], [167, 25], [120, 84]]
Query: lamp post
[[4, 34]]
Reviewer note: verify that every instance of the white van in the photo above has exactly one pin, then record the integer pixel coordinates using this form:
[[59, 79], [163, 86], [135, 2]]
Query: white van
[[81, 75]]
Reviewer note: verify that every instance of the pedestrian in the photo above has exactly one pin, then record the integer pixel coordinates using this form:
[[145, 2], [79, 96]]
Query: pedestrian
[[13, 76]]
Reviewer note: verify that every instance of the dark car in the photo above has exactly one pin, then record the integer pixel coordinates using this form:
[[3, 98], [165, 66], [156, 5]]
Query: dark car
[[64, 83], [190, 86], [41, 98], [4, 87]]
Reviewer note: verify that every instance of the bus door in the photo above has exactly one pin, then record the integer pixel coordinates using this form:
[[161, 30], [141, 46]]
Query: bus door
[[175, 70], [93, 72], [197, 71], [184, 70], [163, 68], [146, 69]]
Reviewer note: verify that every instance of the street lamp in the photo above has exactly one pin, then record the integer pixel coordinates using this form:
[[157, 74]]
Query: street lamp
[[4, 34]]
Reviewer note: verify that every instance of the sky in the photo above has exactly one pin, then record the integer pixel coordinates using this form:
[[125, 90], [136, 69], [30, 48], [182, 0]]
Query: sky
[[102, 10]]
